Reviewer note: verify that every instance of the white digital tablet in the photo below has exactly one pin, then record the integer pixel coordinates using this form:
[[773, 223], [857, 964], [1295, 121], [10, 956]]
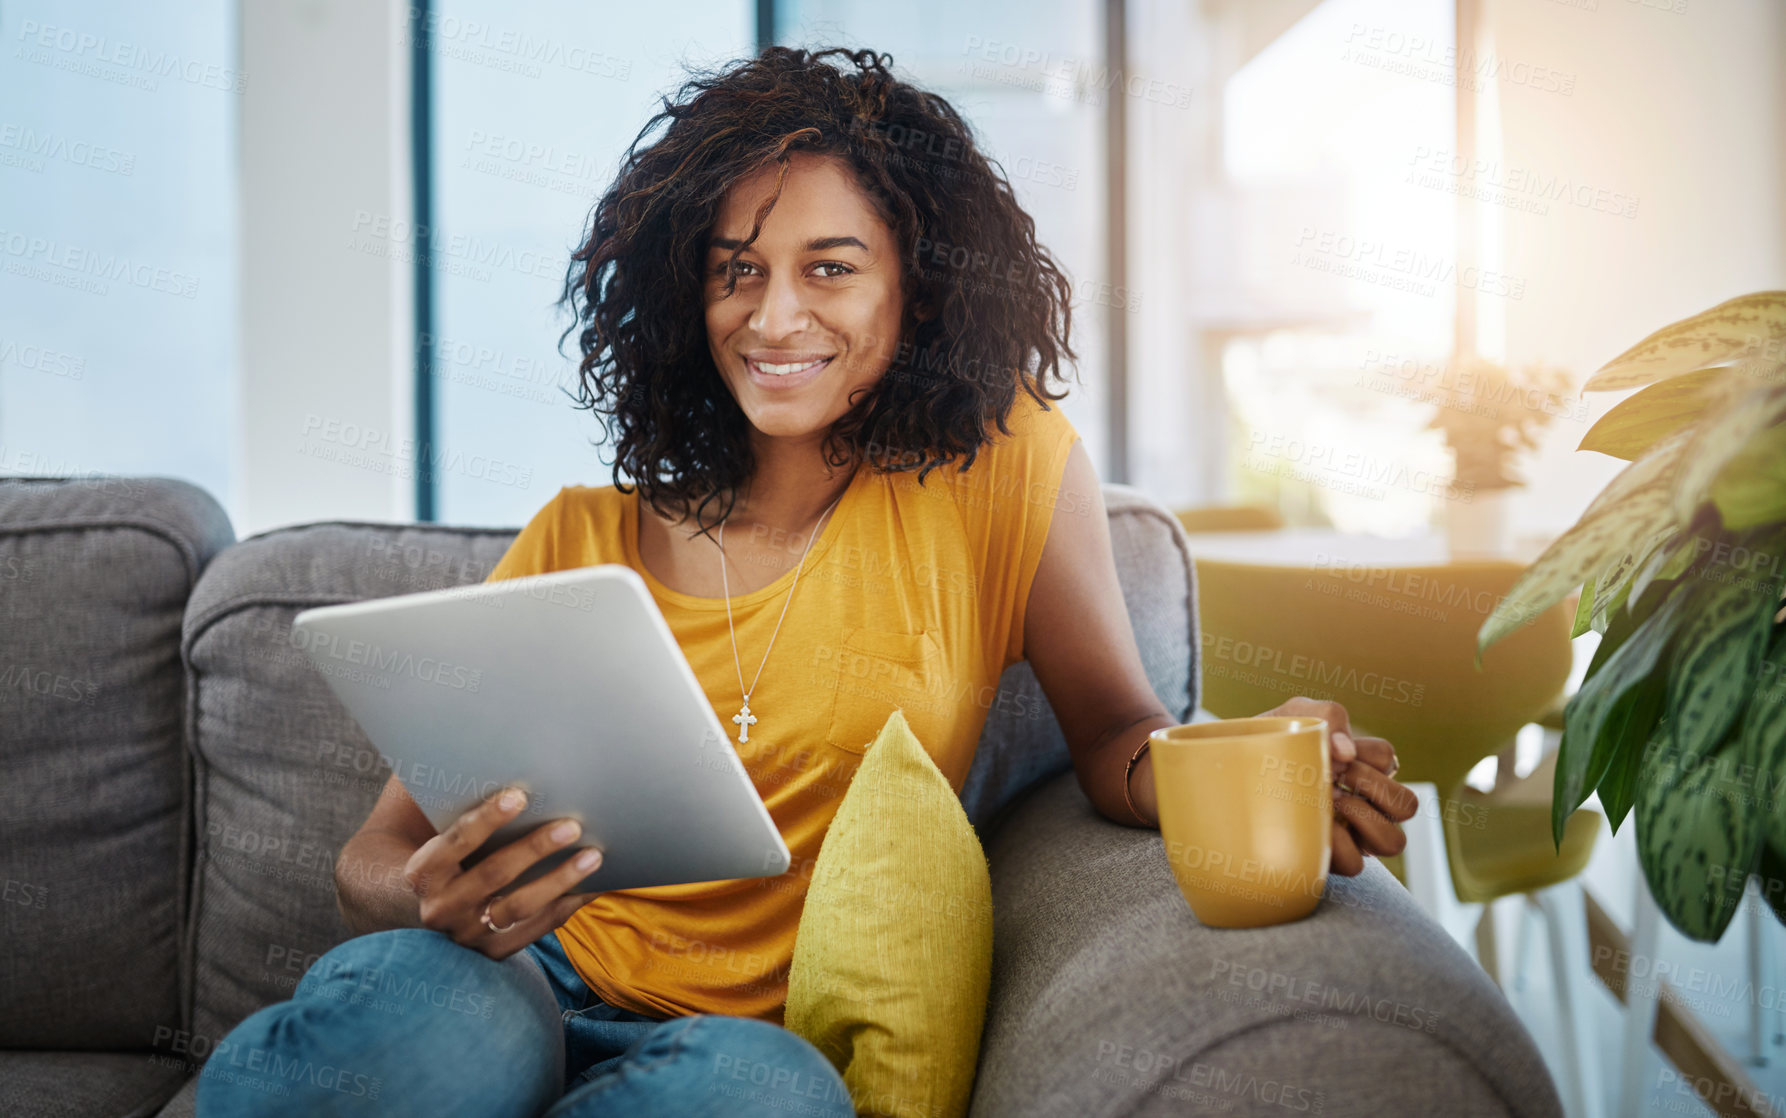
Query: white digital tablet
[[570, 685]]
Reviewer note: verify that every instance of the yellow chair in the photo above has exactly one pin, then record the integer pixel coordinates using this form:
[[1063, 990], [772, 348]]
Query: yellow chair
[[1396, 647], [1230, 518]]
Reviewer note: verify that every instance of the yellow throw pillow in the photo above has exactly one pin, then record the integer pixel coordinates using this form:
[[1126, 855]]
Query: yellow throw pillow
[[893, 956]]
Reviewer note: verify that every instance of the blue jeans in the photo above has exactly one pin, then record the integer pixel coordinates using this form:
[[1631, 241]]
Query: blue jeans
[[408, 1022]]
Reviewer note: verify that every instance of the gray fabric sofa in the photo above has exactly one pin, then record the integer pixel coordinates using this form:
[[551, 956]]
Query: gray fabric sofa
[[177, 782]]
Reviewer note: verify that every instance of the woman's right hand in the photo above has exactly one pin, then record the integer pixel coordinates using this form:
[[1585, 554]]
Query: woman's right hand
[[452, 897]]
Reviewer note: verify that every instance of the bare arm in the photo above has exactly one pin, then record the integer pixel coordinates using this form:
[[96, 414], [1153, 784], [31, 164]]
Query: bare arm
[[1078, 640], [370, 889]]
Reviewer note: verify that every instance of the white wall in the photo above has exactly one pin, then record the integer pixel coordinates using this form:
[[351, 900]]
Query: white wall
[[326, 260], [1178, 446], [1685, 111]]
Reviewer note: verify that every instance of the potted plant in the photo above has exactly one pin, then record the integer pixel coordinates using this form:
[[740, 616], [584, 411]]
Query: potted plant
[[1681, 719], [1491, 416]]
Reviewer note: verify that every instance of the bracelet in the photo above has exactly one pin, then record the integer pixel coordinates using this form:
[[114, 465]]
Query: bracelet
[[1126, 773]]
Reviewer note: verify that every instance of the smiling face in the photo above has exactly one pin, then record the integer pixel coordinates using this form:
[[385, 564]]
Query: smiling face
[[817, 308]]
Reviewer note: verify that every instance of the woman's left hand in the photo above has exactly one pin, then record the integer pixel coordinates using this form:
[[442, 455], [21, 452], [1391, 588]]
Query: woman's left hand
[[1367, 802]]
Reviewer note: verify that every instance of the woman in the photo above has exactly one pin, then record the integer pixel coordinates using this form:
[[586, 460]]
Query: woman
[[820, 324]]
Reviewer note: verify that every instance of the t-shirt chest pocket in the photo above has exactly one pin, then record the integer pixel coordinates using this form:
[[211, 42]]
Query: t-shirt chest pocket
[[877, 671]]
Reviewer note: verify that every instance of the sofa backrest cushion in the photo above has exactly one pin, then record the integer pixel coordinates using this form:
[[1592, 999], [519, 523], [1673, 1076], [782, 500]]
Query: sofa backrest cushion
[[285, 777], [94, 579]]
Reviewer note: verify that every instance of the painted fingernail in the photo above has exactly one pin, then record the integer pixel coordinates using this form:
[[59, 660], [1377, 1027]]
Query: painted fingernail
[[512, 799], [1343, 740], [565, 831], [589, 859]]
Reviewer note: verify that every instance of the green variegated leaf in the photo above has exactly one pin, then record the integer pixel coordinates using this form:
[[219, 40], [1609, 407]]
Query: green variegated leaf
[[1627, 622], [1637, 504], [1616, 706], [1584, 611], [1770, 866], [1637, 581], [1773, 788], [1767, 748], [1696, 836], [1730, 331], [1752, 488], [1616, 582], [1618, 785], [1713, 669], [1720, 438], [1636, 423], [1610, 584], [1764, 740], [1681, 551]]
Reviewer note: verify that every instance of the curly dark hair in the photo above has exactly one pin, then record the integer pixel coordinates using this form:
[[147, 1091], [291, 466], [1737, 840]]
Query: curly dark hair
[[987, 309]]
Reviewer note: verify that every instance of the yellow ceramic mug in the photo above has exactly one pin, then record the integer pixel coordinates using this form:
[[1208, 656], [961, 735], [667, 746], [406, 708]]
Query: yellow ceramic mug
[[1246, 811]]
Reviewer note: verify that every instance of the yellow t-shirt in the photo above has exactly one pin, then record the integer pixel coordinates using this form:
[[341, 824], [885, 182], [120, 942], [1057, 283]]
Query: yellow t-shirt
[[911, 597]]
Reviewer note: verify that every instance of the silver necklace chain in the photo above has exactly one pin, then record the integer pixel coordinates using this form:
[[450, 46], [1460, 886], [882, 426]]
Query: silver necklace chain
[[744, 718]]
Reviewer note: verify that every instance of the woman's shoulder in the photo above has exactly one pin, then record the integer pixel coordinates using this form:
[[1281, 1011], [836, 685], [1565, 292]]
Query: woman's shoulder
[[578, 523], [1012, 469], [574, 504], [1032, 417], [591, 498], [1039, 435]]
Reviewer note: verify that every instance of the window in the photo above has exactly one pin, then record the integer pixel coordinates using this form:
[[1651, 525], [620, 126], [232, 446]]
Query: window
[[117, 239], [532, 109], [1025, 77], [533, 106], [1336, 264]]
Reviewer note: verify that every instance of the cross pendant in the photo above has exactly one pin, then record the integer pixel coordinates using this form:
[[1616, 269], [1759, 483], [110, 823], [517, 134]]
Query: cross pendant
[[745, 720]]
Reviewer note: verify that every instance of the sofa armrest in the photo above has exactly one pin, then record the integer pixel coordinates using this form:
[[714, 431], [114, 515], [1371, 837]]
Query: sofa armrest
[[1109, 998]]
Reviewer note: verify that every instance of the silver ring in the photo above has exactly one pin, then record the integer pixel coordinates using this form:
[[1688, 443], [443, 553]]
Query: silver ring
[[491, 924]]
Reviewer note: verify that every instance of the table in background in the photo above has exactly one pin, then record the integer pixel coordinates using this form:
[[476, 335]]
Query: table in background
[[1319, 547]]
